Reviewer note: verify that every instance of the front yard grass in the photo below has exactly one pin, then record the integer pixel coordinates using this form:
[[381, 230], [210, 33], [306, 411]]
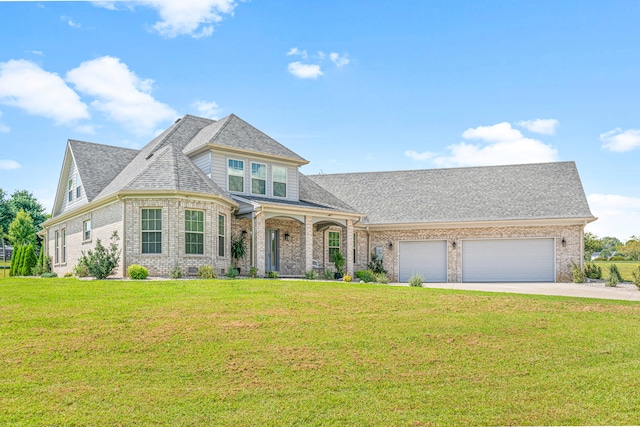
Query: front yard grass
[[625, 267], [267, 352]]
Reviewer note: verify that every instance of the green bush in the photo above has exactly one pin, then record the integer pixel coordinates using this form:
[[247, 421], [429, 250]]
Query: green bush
[[102, 262], [49, 275], [15, 257], [232, 272], [137, 272], [366, 276], [273, 275], [311, 275], [339, 262], [68, 274], [382, 278], [635, 277], [80, 270], [29, 261], [618, 258], [43, 266], [592, 271], [328, 275], [376, 264], [613, 278], [577, 273], [613, 269], [175, 273], [253, 272], [206, 272], [415, 280]]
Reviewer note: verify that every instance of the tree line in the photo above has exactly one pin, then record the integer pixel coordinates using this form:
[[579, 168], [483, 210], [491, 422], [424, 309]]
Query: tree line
[[20, 217], [611, 247]]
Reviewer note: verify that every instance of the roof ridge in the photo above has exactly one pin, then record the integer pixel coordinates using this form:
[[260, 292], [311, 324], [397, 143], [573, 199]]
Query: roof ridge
[[100, 144], [224, 125]]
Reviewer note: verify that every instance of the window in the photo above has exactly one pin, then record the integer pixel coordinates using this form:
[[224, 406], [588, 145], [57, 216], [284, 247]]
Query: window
[[194, 232], [221, 235], [57, 253], [151, 231], [258, 178], [334, 243], [70, 189], [78, 187], [64, 245], [279, 181], [86, 230], [236, 175]]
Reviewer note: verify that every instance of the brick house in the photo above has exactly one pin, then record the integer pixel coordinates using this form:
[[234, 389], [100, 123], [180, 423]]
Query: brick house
[[178, 201]]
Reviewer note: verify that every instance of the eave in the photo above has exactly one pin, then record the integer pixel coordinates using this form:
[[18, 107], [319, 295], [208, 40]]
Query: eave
[[480, 224]]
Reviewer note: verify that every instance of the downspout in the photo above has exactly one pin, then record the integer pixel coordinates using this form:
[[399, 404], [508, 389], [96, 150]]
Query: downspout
[[124, 236]]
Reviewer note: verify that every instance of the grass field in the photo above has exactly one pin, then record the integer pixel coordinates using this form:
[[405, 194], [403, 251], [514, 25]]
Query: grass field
[[267, 352], [625, 267]]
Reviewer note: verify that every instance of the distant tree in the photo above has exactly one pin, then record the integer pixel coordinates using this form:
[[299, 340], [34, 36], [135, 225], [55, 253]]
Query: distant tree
[[591, 244], [631, 249], [6, 214], [609, 242], [24, 200], [605, 253], [21, 230]]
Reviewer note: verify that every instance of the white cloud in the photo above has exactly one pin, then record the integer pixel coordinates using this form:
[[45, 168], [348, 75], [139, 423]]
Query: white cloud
[[25, 85], [37, 52], [620, 141], [9, 165], [618, 215], [120, 94], [340, 61], [501, 145], [542, 126], [298, 52], [71, 22], [210, 110], [305, 71], [425, 155]]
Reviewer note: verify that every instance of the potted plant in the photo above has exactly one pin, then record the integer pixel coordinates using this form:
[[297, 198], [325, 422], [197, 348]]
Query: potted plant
[[238, 249], [338, 262]]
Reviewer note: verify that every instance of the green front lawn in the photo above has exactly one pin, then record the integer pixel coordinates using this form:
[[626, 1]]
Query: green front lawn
[[625, 267], [268, 352]]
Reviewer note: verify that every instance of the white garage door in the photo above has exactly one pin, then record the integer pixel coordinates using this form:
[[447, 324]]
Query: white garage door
[[508, 260], [427, 258]]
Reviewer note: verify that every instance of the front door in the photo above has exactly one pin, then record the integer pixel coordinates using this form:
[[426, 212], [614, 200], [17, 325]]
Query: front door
[[271, 250]]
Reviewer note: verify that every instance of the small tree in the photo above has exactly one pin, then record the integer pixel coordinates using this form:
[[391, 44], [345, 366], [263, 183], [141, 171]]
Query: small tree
[[238, 248], [101, 262], [15, 260], [29, 261], [376, 264], [339, 262], [21, 230]]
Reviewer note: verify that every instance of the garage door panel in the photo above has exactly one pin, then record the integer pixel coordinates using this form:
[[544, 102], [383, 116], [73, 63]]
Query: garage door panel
[[508, 260], [427, 258]]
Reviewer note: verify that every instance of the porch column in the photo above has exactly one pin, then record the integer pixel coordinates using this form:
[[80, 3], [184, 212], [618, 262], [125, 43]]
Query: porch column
[[350, 247], [259, 236], [308, 243]]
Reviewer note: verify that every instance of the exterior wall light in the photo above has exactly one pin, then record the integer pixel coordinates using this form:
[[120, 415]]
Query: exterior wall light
[[286, 236], [390, 245], [453, 244], [564, 242]]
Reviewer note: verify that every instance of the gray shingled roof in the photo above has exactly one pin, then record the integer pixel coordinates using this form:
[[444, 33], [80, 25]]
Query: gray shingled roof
[[490, 193], [233, 132], [289, 203], [313, 193], [99, 164], [170, 170]]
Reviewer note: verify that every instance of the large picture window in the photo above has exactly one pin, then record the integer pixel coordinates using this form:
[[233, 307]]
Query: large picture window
[[279, 181], [258, 178], [235, 171], [194, 232], [221, 235], [334, 243], [151, 231]]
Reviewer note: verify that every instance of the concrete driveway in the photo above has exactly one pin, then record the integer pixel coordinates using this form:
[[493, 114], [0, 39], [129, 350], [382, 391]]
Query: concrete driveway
[[625, 291]]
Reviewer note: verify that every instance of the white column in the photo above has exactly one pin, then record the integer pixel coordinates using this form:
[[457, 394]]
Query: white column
[[259, 236], [350, 247], [308, 243]]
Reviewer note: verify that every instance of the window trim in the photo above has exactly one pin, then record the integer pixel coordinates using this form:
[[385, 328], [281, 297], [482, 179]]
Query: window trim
[[266, 173], [286, 181], [70, 190], [201, 233], [355, 247], [329, 247], [64, 246], [84, 230], [223, 235], [78, 187], [229, 175], [57, 247], [151, 231]]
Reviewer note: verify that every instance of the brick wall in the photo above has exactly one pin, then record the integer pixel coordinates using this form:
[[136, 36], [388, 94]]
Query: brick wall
[[292, 259]]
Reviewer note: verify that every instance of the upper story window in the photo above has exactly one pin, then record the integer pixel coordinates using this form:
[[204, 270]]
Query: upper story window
[[78, 187], [70, 189], [279, 181], [258, 178], [194, 232], [235, 172], [151, 231]]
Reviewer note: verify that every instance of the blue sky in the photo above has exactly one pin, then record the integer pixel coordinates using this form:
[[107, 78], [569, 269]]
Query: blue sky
[[350, 86]]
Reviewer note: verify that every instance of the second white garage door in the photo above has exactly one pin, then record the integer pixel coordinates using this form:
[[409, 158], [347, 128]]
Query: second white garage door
[[426, 258], [508, 260]]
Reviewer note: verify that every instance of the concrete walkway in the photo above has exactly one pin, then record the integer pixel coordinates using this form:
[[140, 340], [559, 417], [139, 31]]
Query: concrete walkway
[[626, 292]]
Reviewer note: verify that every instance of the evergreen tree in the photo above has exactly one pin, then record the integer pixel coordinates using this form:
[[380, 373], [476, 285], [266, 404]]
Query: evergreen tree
[[21, 230], [15, 261], [20, 261], [29, 262]]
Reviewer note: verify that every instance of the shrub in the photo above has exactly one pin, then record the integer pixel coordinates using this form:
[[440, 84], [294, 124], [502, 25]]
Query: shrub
[[415, 280], [273, 275], [20, 261], [577, 273], [137, 272], [206, 272], [68, 274], [43, 266], [635, 277], [339, 262], [327, 275], [253, 272], [613, 278], [592, 271], [346, 278], [29, 261], [49, 275], [613, 269], [366, 276], [232, 272], [80, 270], [382, 278], [15, 256], [102, 262], [376, 264], [618, 258], [175, 273], [311, 275]]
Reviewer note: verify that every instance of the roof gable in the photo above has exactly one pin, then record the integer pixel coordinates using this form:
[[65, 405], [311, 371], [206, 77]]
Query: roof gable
[[490, 193]]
